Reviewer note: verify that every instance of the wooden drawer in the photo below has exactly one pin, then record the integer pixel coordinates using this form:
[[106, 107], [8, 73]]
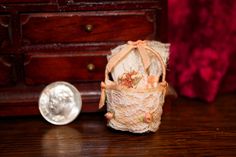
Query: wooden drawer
[[6, 71], [4, 33], [41, 28], [46, 68]]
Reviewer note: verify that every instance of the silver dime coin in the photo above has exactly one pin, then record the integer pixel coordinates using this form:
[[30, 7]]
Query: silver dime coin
[[60, 103]]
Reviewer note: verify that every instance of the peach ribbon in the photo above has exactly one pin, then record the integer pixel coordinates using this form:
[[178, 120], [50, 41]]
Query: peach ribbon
[[140, 45], [103, 95], [142, 48]]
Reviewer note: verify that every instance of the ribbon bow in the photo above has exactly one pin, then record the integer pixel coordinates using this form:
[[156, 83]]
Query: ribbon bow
[[142, 49]]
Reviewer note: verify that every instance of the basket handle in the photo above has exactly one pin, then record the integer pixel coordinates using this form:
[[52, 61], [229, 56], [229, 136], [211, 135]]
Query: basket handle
[[142, 49]]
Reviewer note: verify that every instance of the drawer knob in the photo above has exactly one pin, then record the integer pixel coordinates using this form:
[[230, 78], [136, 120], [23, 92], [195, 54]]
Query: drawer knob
[[90, 67], [88, 28]]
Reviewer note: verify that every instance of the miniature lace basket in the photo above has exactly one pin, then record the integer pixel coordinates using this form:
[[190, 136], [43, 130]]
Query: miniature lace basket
[[130, 109]]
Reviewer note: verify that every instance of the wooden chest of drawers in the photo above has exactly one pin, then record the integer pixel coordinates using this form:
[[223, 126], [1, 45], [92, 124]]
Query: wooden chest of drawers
[[42, 41]]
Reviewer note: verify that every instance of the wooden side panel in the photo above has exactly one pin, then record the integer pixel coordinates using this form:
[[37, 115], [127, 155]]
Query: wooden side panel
[[6, 71]]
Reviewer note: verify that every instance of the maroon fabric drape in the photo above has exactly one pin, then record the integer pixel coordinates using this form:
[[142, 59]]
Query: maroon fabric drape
[[202, 34]]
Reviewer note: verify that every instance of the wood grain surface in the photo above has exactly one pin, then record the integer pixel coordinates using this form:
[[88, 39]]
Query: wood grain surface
[[189, 128]]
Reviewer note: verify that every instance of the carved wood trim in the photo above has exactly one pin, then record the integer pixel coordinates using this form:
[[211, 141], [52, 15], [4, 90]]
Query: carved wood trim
[[5, 63]]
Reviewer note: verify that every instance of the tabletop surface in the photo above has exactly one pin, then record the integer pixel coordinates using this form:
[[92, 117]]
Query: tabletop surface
[[189, 128]]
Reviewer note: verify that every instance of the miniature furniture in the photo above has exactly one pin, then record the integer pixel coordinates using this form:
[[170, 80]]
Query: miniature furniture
[[42, 41]]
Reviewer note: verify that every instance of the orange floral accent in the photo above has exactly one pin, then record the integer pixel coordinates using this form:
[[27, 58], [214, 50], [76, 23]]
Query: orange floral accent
[[148, 118], [109, 115], [130, 79], [152, 81]]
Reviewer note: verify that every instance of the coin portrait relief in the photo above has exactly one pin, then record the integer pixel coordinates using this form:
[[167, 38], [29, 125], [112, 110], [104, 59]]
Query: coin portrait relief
[[60, 100]]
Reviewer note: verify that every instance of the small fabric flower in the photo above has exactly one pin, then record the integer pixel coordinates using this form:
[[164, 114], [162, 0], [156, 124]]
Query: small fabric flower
[[109, 115], [148, 118]]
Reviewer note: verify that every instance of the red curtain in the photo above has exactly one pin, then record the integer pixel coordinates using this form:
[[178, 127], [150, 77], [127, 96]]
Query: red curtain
[[202, 34]]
